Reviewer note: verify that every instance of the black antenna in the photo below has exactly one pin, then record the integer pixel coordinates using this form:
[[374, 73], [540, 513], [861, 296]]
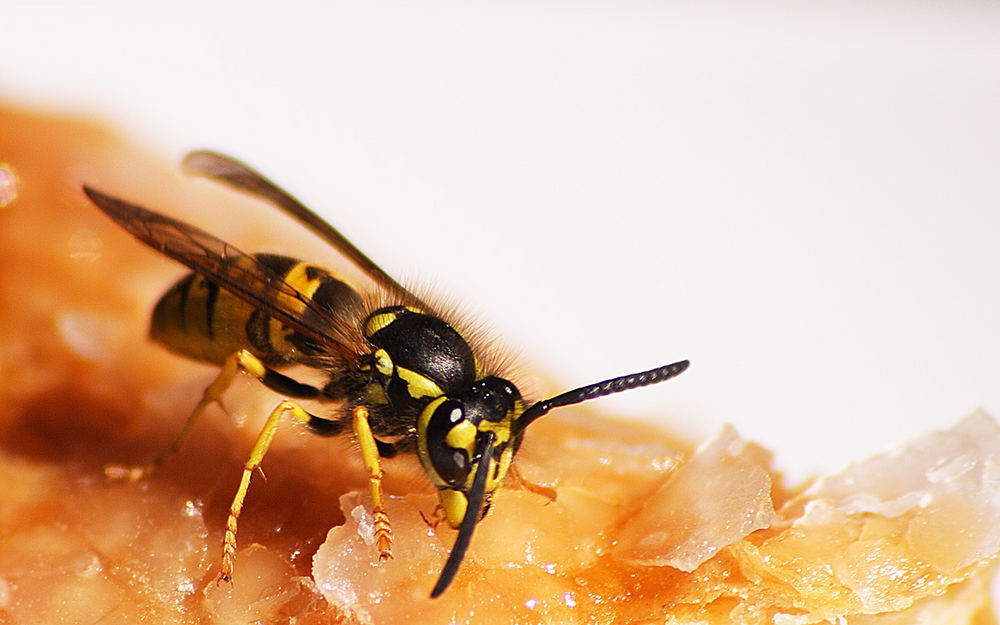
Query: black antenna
[[472, 511], [600, 389]]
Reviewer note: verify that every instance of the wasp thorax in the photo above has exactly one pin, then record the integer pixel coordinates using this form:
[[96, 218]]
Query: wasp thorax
[[417, 357]]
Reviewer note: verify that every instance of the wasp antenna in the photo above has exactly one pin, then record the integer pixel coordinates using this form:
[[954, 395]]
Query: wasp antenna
[[215, 165], [472, 511], [241, 176], [600, 389]]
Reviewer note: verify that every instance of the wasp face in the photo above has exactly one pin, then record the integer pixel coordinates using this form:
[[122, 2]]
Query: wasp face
[[450, 441]]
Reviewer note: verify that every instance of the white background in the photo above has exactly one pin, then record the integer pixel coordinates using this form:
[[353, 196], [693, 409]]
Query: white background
[[802, 198]]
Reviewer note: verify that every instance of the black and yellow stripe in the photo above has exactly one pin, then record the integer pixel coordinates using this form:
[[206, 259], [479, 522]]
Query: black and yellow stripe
[[199, 320]]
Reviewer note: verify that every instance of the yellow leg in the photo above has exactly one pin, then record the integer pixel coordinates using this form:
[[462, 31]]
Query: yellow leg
[[260, 447], [369, 453], [240, 361]]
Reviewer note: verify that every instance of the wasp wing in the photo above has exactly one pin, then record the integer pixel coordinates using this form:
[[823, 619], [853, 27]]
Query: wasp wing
[[240, 176], [225, 265]]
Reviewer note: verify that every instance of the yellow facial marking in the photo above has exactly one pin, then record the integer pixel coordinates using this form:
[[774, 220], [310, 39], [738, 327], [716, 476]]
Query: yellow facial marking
[[501, 429], [454, 504], [462, 436], [425, 460], [504, 462], [427, 413]]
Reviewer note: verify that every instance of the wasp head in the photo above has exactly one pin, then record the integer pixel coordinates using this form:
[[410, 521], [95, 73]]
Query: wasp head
[[451, 435]]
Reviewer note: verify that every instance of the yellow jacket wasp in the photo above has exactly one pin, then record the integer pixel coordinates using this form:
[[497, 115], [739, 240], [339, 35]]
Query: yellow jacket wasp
[[404, 378]]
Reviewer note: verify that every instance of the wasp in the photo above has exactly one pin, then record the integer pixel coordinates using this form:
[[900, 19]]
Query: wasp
[[401, 377]]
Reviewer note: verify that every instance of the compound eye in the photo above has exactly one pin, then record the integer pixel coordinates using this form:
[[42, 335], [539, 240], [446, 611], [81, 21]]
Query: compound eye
[[451, 440]]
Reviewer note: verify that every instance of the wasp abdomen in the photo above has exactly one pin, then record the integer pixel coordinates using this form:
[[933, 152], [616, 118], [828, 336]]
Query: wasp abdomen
[[200, 320]]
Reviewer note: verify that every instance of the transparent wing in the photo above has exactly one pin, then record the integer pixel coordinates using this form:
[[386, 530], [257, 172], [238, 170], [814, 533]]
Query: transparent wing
[[225, 265], [240, 176]]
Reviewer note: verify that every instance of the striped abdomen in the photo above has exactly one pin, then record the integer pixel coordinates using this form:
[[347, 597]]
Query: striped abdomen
[[198, 319]]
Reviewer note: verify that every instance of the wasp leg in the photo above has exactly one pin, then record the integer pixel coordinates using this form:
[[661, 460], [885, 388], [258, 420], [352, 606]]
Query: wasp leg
[[370, 455], [437, 517], [240, 361], [532, 487], [287, 407]]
